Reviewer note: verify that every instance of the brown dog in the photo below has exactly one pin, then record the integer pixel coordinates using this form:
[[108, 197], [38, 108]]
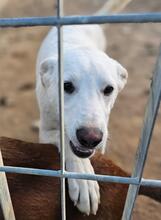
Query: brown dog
[[38, 197]]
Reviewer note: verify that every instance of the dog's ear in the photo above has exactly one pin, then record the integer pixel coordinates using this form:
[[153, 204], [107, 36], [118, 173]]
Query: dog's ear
[[46, 71], [122, 76]]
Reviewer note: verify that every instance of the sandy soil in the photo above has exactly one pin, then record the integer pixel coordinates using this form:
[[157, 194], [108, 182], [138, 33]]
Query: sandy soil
[[136, 46]]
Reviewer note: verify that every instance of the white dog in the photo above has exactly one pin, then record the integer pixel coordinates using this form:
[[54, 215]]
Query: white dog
[[92, 81]]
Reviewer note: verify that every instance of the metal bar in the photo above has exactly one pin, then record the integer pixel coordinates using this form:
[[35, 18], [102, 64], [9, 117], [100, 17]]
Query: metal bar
[[151, 183], [71, 175], [148, 125], [61, 106], [30, 171], [5, 198], [75, 20], [54, 173]]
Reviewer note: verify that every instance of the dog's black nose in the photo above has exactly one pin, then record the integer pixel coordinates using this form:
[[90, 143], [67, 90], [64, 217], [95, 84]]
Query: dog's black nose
[[89, 137]]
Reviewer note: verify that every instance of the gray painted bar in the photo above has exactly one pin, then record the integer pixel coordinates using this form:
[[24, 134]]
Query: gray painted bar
[[5, 198], [148, 125], [75, 20]]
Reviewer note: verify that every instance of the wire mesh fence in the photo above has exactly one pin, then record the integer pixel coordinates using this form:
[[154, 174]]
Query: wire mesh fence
[[149, 119]]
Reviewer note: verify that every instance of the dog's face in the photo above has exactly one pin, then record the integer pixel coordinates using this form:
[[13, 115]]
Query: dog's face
[[92, 82]]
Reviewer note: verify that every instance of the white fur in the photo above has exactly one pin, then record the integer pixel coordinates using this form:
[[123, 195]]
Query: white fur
[[90, 70]]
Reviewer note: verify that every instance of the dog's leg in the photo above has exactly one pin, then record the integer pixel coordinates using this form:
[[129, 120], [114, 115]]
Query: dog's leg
[[84, 193]]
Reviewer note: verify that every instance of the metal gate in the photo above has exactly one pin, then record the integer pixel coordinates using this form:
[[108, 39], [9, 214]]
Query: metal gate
[[150, 114]]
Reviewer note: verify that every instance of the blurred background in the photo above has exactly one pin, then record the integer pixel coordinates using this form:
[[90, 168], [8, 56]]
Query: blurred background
[[135, 46]]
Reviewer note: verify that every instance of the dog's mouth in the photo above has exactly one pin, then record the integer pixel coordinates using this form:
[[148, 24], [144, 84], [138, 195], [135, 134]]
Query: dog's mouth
[[81, 151]]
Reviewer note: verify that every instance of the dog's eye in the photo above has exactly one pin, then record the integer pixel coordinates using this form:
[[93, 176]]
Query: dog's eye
[[69, 87], [108, 90]]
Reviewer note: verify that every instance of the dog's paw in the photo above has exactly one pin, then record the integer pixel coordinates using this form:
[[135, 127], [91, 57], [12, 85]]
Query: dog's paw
[[84, 193]]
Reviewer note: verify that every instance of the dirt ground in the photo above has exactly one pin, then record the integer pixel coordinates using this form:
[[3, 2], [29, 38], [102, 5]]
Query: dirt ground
[[136, 46]]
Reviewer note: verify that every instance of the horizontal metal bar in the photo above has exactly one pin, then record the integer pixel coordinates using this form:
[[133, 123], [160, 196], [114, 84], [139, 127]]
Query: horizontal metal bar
[[151, 183], [102, 178], [74, 20], [30, 171], [58, 173], [73, 175]]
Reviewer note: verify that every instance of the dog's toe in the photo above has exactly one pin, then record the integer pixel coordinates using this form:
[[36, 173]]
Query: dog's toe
[[94, 196], [84, 197], [73, 190]]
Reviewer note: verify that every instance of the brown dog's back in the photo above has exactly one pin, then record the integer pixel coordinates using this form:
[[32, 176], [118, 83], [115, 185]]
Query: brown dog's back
[[38, 197]]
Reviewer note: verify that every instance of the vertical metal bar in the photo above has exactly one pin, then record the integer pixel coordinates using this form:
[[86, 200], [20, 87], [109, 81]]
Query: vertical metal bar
[[61, 106], [5, 198], [148, 125]]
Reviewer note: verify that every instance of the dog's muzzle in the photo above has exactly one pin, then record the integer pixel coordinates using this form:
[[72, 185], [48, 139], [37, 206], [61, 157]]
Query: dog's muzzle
[[88, 139]]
